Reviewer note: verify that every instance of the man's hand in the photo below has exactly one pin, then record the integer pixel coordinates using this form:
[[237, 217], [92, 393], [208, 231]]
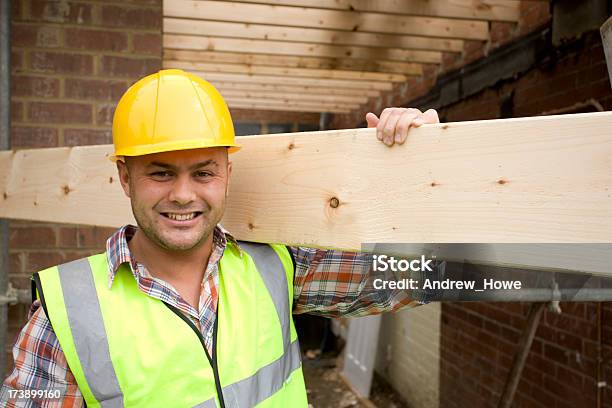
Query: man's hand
[[394, 123]]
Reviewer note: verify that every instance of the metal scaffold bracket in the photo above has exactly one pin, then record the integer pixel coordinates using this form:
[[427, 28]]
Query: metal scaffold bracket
[[10, 297]]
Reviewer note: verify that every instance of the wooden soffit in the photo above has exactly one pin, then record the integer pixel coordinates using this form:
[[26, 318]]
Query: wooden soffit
[[319, 55]]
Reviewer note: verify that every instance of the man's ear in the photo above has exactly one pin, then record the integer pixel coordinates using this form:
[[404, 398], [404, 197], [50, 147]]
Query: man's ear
[[229, 174], [124, 177]]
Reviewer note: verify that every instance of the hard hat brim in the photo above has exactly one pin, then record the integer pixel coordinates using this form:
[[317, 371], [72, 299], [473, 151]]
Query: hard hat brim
[[168, 147]]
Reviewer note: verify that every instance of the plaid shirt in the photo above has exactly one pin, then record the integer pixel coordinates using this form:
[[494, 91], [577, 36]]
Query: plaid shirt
[[327, 282]]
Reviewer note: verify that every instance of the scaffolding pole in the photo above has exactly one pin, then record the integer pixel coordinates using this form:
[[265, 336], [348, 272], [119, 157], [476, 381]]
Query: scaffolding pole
[[5, 144]]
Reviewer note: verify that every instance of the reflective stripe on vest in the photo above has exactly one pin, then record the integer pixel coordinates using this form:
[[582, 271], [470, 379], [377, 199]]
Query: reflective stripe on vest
[[207, 404], [81, 302]]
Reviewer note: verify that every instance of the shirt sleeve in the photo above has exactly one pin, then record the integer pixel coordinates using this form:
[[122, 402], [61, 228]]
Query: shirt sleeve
[[40, 364], [341, 284]]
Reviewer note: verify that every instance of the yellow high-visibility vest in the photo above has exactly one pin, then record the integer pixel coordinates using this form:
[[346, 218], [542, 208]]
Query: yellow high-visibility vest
[[128, 349]]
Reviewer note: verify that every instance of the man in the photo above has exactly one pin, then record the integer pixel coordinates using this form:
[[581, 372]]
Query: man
[[176, 313]]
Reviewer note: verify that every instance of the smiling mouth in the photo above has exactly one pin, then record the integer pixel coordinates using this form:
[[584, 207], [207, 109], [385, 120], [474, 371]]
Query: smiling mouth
[[181, 217]]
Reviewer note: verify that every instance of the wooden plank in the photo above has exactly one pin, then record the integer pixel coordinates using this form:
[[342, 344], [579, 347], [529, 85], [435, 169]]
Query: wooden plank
[[285, 108], [192, 42], [312, 35], [82, 167], [352, 64], [317, 90], [310, 97], [281, 71], [319, 106], [329, 19], [263, 102], [493, 10], [284, 80], [528, 180]]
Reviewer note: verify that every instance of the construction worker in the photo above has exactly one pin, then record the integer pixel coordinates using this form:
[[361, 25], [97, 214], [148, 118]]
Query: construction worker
[[176, 312]]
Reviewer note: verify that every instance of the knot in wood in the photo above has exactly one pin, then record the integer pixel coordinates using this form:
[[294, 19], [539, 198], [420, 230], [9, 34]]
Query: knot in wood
[[334, 202]]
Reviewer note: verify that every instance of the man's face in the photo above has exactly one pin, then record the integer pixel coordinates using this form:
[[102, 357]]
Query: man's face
[[177, 197]]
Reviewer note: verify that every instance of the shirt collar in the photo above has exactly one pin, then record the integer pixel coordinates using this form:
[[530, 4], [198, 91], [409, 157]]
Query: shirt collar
[[118, 251]]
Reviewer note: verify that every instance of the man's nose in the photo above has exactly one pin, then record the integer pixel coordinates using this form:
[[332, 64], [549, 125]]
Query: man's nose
[[182, 191]]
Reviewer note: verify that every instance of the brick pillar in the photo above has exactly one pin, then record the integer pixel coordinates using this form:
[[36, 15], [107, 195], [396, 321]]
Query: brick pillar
[[71, 61]]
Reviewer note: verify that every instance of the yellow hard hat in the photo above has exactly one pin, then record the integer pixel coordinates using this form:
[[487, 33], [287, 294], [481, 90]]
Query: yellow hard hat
[[171, 110]]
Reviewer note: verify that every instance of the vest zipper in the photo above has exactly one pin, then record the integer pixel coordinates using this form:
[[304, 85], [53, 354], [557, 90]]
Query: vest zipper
[[213, 360]]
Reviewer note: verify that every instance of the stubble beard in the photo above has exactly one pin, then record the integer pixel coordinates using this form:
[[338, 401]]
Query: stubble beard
[[153, 232]]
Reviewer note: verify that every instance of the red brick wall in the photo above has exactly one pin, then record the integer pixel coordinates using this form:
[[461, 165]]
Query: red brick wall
[[479, 340], [576, 77], [71, 61]]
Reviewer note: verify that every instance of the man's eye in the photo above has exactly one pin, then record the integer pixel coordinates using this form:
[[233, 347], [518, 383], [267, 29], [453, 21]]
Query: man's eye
[[203, 174], [161, 174]]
